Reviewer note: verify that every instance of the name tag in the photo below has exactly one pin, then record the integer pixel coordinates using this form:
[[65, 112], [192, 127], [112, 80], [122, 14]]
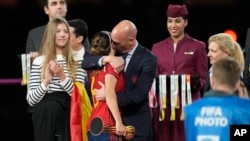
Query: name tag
[[189, 53]]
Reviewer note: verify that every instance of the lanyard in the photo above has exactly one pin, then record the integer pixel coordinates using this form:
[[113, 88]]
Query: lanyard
[[183, 94], [163, 96], [152, 97], [174, 95], [189, 97], [25, 59]]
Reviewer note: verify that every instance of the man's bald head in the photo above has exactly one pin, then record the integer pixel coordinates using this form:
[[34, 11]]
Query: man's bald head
[[126, 28], [124, 35]]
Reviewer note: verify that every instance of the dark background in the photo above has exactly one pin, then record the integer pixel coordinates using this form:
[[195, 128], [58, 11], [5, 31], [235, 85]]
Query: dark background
[[206, 17]]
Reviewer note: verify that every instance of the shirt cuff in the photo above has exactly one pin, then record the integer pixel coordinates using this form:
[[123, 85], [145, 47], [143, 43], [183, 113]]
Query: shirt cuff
[[44, 87], [100, 61]]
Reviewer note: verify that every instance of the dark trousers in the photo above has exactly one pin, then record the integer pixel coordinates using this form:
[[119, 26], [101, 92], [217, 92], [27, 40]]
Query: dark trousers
[[51, 118]]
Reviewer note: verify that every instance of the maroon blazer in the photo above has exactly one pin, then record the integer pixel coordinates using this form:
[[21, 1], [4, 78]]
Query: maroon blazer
[[190, 57]]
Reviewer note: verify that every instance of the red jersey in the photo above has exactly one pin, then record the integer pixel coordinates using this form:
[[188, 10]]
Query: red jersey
[[100, 108]]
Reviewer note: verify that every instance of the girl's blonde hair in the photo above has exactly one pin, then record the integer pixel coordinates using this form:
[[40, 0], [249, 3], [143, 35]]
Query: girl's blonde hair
[[48, 49]]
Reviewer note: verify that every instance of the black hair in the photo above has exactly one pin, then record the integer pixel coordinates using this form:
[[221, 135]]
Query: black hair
[[81, 28], [46, 2]]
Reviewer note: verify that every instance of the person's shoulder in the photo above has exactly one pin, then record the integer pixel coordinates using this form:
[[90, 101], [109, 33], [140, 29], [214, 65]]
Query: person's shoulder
[[145, 50], [195, 41], [240, 104], [196, 104], [243, 101], [38, 29], [38, 60], [108, 65], [110, 70], [160, 43]]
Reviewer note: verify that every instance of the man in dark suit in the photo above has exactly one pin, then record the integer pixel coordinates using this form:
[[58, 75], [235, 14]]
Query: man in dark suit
[[53, 8], [246, 74], [140, 70], [78, 34]]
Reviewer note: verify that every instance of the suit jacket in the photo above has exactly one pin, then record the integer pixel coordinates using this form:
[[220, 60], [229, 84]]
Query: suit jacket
[[34, 39], [207, 84], [139, 76], [246, 76], [87, 84]]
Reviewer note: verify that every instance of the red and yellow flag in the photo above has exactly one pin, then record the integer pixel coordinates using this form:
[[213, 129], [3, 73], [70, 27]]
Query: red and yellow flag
[[80, 111]]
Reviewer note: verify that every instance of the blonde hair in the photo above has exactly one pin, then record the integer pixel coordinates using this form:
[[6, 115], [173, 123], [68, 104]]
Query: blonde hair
[[48, 49], [228, 45]]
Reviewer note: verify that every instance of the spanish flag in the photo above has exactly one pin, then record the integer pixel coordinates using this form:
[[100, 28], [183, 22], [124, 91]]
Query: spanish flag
[[80, 111]]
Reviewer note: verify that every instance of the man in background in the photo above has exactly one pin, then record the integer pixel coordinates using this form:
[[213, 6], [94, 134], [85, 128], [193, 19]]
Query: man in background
[[53, 8], [78, 35]]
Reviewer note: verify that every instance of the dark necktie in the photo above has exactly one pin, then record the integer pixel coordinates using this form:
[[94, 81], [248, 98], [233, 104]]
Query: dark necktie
[[124, 56]]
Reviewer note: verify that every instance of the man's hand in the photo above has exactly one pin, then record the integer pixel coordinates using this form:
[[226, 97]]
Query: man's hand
[[33, 55], [116, 62], [242, 91], [100, 93]]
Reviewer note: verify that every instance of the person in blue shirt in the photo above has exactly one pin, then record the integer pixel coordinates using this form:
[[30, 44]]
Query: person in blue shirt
[[210, 118]]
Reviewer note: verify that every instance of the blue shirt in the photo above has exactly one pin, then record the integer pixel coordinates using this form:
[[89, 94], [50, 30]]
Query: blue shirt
[[210, 117]]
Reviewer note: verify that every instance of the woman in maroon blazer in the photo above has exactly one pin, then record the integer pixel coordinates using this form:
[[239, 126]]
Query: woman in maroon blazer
[[177, 54]]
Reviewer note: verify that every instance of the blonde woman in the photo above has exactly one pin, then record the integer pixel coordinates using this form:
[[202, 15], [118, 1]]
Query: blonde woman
[[51, 83], [221, 45]]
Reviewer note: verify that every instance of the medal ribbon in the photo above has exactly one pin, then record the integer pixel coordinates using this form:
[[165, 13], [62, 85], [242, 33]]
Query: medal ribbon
[[152, 97], [28, 69], [24, 69], [25, 59], [177, 97], [183, 95], [163, 96], [189, 97], [173, 95]]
